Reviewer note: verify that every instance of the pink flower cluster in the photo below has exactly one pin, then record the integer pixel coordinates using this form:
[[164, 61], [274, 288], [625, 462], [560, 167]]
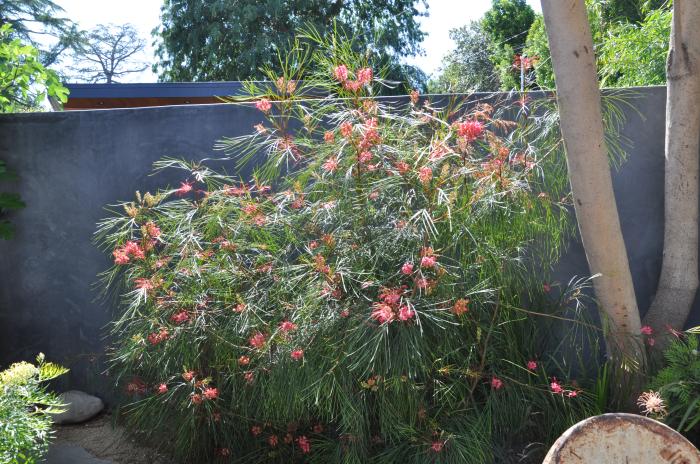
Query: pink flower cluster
[[263, 105], [258, 340], [364, 77], [124, 254], [470, 130], [390, 308], [556, 388]]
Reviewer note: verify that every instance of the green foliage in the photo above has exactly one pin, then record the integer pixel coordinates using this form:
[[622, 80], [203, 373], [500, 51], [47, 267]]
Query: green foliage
[[380, 305], [537, 45], [38, 23], [632, 11], [227, 40], [629, 53], [25, 405], [679, 383], [468, 67], [506, 24], [24, 81], [635, 54]]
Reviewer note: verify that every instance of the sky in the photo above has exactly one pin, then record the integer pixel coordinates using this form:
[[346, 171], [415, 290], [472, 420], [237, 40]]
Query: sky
[[145, 15]]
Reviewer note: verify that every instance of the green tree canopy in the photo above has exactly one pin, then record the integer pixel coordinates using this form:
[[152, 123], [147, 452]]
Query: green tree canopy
[[231, 40], [38, 23], [468, 67], [24, 81], [629, 53], [506, 25]]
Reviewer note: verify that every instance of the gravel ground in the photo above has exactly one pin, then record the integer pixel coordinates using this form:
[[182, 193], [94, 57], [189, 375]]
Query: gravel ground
[[105, 441]]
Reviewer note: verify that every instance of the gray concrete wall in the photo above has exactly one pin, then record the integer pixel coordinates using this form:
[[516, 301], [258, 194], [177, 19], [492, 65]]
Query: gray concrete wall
[[73, 164]]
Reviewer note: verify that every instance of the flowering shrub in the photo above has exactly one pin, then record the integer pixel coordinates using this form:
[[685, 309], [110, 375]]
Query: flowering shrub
[[25, 424], [384, 302]]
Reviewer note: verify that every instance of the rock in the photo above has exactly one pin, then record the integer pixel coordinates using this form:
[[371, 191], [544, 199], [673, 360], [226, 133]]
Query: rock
[[79, 407], [620, 437], [71, 454]]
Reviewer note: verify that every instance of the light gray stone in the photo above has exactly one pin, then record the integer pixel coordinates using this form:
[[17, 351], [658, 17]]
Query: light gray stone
[[71, 454], [79, 407]]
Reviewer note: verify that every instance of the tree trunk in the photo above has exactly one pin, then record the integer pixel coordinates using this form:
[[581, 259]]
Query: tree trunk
[[581, 122], [679, 273]]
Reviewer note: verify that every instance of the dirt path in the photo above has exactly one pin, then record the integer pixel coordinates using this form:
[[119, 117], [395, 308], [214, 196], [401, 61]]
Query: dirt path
[[107, 442]]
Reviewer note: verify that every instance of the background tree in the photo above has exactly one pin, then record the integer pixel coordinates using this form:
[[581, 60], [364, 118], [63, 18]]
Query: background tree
[[578, 98], [38, 23], [506, 25], [678, 282], [468, 67], [107, 53], [630, 49], [227, 40]]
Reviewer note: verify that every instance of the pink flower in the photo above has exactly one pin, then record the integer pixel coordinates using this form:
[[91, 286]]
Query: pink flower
[[646, 330], [461, 306], [428, 261], [470, 130], [120, 256], [353, 86], [555, 386], [403, 167], [257, 340], [185, 188], [329, 137], [406, 313], [134, 250], [340, 73], [297, 354], [272, 440], [364, 76], [256, 430], [188, 376], [211, 393], [572, 394], [304, 444], [496, 383], [425, 174], [287, 326], [407, 268], [239, 308], [249, 376], [263, 105], [437, 446], [382, 313], [180, 317], [365, 157], [143, 284], [532, 365], [152, 230], [162, 388], [196, 398], [414, 96], [346, 129], [331, 164], [243, 361]]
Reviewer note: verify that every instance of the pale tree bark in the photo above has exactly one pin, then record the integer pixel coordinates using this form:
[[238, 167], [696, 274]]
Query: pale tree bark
[[679, 273], [581, 121]]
